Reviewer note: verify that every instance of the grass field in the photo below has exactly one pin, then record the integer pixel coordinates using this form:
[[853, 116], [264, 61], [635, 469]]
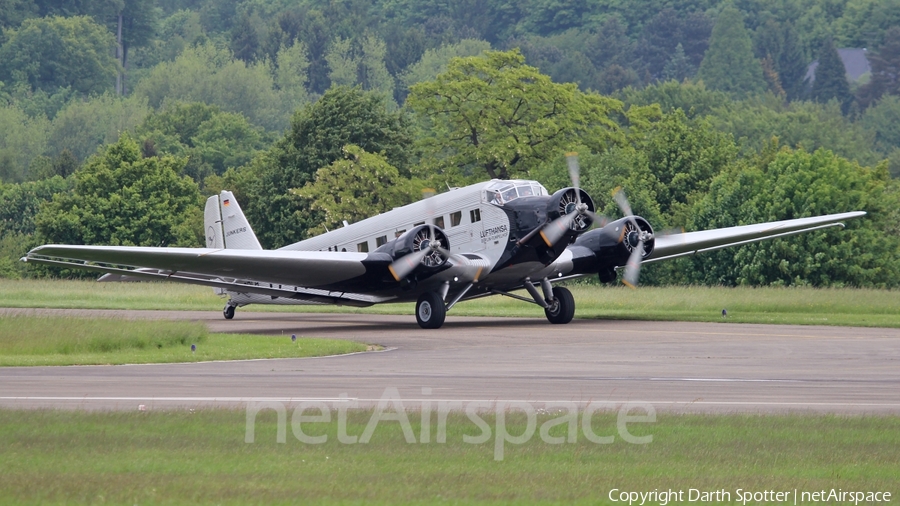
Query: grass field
[[183, 457], [808, 306], [28, 341]]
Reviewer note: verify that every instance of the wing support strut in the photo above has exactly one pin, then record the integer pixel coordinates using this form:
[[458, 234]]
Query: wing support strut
[[460, 295]]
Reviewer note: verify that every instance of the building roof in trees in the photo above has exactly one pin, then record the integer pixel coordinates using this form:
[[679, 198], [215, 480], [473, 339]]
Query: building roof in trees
[[856, 62]]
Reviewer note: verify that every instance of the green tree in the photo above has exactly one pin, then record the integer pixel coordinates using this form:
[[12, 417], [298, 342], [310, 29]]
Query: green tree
[[610, 45], [883, 121], [209, 74], [180, 30], [245, 40], [373, 74], [139, 21], [316, 139], [692, 98], [212, 140], [664, 168], [64, 165], [885, 70], [360, 62], [729, 64], [82, 126], [661, 35], [791, 63], [343, 64], [793, 184], [434, 61], [864, 23], [14, 12], [496, 116], [356, 187], [779, 43], [19, 203], [831, 77], [52, 53], [23, 140], [120, 198], [679, 67], [755, 122]]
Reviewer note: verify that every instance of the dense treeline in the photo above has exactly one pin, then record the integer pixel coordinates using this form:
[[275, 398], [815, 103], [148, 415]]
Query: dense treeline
[[316, 111]]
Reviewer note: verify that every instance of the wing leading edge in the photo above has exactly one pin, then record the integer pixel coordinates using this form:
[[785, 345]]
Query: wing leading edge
[[676, 245], [300, 268]]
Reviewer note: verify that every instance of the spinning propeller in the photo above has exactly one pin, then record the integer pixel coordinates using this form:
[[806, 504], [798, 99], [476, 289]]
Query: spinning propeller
[[632, 234], [556, 229], [634, 239], [427, 249]]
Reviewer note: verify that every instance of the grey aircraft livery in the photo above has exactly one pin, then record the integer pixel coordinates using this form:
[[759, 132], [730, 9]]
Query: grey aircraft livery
[[486, 239]]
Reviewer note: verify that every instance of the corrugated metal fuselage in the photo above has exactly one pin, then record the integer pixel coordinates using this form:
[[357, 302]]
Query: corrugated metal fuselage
[[478, 232]]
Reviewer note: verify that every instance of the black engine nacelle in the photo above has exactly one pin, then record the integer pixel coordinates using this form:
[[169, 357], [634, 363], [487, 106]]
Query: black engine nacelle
[[415, 240], [614, 243]]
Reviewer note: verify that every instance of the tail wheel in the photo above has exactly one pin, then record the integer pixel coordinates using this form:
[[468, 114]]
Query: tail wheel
[[430, 311], [228, 311], [562, 307]]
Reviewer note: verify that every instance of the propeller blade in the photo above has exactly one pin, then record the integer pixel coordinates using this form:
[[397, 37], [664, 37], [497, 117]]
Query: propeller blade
[[633, 267], [557, 228], [598, 219], [401, 267], [574, 169], [622, 201]]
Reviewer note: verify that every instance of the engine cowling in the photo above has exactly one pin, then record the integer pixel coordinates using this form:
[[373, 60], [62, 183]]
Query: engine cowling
[[615, 242], [415, 240], [564, 202]]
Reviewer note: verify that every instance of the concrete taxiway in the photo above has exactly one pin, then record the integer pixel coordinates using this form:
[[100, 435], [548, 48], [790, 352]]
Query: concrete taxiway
[[682, 367]]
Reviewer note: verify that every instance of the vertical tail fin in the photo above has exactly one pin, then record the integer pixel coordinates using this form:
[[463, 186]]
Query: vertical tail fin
[[225, 224]]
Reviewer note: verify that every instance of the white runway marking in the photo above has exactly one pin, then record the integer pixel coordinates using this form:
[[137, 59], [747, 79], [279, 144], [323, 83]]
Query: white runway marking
[[448, 401]]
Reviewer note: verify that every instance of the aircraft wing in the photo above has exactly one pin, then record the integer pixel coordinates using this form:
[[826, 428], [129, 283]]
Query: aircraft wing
[[283, 267], [676, 245]]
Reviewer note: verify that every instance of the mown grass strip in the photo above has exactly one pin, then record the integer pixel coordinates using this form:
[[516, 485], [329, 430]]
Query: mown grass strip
[[805, 306], [200, 457], [31, 341]]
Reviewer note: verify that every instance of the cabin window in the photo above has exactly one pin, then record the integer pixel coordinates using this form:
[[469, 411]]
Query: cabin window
[[399, 233], [439, 222], [455, 218], [381, 241], [419, 223], [363, 247], [475, 215]]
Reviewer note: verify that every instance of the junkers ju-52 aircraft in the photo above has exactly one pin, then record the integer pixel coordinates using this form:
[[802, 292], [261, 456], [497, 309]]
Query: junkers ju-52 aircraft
[[489, 238]]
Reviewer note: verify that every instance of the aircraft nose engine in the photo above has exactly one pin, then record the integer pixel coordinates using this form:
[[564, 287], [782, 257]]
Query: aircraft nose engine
[[423, 247], [573, 204]]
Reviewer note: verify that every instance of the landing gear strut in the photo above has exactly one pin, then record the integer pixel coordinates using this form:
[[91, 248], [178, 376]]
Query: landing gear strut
[[228, 311], [430, 310], [562, 308]]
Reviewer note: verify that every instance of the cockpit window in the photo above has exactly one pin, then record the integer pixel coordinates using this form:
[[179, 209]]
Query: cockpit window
[[501, 192]]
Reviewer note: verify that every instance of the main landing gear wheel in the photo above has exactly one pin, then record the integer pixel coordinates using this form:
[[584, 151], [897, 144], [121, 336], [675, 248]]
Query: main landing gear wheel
[[430, 311], [562, 307], [228, 311]]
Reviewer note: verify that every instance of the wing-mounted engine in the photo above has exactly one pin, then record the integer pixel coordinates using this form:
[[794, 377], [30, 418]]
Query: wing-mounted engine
[[421, 251], [619, 239], [623, 242], [636, 232]]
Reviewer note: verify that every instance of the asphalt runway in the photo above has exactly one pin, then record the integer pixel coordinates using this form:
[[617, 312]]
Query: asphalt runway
[[680, 367]]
